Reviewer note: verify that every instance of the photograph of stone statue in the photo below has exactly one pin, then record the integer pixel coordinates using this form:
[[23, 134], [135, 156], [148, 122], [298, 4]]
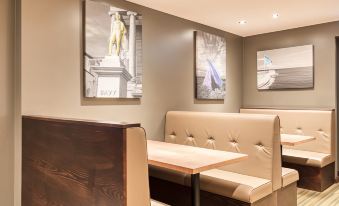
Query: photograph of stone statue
[[112, 51], [286, 68], [210, 66]]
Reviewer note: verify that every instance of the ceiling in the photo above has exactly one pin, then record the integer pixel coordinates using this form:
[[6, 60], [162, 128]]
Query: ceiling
[[225, 14]]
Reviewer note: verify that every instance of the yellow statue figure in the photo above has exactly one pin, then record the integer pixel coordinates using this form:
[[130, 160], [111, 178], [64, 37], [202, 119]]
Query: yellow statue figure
[[118, 30]]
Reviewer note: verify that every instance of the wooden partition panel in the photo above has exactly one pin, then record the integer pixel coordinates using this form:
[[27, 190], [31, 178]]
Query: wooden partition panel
[[73, 162]]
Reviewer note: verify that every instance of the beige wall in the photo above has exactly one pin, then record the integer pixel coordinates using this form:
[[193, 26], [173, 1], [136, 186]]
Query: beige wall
[[6, 102], [51, 83], [322, 96]]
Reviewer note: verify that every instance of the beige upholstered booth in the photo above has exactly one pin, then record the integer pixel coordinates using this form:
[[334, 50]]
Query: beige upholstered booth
[[315, 159], [254, 181], [137, 169]]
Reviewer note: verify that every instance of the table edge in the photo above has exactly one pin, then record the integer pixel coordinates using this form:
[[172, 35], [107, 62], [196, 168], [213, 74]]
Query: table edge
[[200, 169]]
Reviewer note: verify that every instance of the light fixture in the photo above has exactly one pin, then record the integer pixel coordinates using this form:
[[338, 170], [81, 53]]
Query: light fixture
[[275, 15], [242, 22]]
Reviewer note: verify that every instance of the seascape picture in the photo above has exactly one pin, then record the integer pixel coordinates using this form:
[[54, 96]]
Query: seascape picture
[[210, 63], [112, 51], [286, 68]]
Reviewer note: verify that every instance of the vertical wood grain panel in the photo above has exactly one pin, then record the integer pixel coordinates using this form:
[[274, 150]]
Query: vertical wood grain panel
[[72, 163]]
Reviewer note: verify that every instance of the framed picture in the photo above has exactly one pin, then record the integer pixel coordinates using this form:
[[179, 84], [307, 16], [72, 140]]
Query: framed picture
[[287, 68], [210, 66], [112, 51]]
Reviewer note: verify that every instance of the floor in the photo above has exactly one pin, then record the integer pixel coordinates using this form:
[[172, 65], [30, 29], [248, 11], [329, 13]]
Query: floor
[[329, 197]]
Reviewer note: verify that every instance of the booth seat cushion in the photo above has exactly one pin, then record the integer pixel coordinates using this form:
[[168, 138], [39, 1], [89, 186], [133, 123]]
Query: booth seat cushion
[[156, 203], [166, 174], [289, 176], [307, 158], [233, 185]]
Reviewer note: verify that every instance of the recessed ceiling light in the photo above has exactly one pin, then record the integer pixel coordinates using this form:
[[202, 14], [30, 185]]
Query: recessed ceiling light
[[275, 15], [242, 22]]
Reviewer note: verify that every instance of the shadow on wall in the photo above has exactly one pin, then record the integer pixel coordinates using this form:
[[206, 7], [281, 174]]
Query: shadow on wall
[[110, 101], [206, 101]]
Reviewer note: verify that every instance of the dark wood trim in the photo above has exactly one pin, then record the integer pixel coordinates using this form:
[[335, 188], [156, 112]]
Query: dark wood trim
[[180, 195], [314, 178], [71, 162], [84, 121], [337, 98]]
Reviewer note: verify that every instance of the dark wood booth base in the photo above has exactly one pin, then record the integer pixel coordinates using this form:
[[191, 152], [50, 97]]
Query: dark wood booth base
[[179, 195], [73, 162], [314, 178]]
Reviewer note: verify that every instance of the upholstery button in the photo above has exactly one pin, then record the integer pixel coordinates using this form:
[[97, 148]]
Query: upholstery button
[[234, 143], [211, 139], [259, 144], [173, 137], [299, 130], [173, 134], [188, 134], [190, 138]]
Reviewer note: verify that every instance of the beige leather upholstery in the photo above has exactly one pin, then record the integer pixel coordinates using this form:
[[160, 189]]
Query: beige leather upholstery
[[237, 186], [137, 168], [287, 196], [301, 157], [255, 135], [156, 203], [316, 123], [289, 176], [166, 174]]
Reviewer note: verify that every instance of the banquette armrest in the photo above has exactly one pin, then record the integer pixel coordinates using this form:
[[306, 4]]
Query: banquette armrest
[[99, 161]]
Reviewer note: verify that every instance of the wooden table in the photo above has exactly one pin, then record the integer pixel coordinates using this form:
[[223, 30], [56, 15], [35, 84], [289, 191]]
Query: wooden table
[[293, 140], [189, 160]]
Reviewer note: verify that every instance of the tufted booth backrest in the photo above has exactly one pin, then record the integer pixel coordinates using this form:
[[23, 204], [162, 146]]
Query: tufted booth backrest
[[255, 135], [316, 123]]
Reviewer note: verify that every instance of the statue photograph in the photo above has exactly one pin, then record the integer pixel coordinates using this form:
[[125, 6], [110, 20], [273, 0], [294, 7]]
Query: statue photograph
[[113, 52], [118, 32]]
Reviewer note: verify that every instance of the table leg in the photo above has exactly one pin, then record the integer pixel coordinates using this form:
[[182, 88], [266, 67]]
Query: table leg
[[281, 147], [195, 189]]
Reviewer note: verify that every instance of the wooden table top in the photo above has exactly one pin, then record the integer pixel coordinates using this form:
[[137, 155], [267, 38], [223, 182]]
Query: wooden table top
[[293, 139], [188, 159]]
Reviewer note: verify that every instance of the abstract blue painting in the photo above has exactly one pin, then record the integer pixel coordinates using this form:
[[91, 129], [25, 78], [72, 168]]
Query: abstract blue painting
[[210, 66]]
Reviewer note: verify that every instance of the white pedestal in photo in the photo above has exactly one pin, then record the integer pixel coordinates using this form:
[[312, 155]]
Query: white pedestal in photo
[[112, 82], [111, 61]]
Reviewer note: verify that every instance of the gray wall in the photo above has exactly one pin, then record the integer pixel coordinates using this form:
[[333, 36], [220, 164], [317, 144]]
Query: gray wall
[[6, 102], [51, 67], [322, 96]]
